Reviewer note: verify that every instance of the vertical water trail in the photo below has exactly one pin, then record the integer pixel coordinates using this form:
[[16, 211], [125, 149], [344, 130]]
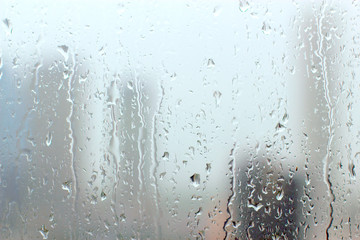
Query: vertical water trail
[[232, 196], [232, 164], [38, 65], [140, 143], [328, 157], [114, 149], [72, 137], [156, 163]]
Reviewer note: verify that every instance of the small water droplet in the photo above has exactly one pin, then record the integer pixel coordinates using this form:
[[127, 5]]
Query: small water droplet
[[44, 232], [198, 213], [18, 82], [195, 179], [83, 77], [93, 200], [211, 63], [173, 76], [6, 21], [254, 205], [266, 28], [66, 186], [130, 85], [313, 69], [280, 195], [217, 96], [244, 5], [217, 11], [48, 139], [8, 25], [122, 217], [103, 196], [279, 127], [165, 156], [102, 51], [208, 167], [278, 213], [352, 169], [267, 210], [51, 217], [285, 117], [162, 175], [64, 50]]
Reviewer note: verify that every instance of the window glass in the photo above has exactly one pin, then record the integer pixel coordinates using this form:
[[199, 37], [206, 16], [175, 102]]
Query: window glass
[[179, 119]]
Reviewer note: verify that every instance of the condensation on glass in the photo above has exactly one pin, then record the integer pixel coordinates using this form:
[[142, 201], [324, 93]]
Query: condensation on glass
[[179, 119]]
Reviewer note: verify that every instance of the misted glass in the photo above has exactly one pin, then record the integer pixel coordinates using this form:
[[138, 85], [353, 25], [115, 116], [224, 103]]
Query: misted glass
[[179, 119]]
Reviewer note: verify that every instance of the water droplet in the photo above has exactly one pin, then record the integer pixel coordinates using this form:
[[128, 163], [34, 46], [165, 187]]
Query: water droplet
[[64, 51], [8, 25], [18, 82], [285, 117], [278, 213], [122, 217], [313, 69], [103, 196], [165, 156], [254, 205], [195, 179], [217, 11], [51, 217], [352, 169], [83, 77], [66, 186], [6, 21], [44, 232], [244, 5], [93, 200], [267, 210], [208, 167], [280, 195], [217, 96], [173, 76], [162, 175], [211, 63], [266, 28], [48, 139], [102, 51], [279, 127], [198, 213], [130, 85]]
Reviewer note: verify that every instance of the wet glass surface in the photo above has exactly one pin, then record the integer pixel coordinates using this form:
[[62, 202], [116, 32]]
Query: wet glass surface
[[179, 119]]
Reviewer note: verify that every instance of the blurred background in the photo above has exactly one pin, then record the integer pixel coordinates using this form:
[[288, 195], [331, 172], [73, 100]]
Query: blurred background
[[179, 119]]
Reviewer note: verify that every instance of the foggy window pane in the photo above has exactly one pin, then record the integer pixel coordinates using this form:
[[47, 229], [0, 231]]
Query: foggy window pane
[[179, 119]]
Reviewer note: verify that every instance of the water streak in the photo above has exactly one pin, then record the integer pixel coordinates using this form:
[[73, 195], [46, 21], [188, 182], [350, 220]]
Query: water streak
[[328, 157]]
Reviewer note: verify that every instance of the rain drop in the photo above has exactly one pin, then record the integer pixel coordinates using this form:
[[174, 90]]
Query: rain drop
[[195, 179]]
